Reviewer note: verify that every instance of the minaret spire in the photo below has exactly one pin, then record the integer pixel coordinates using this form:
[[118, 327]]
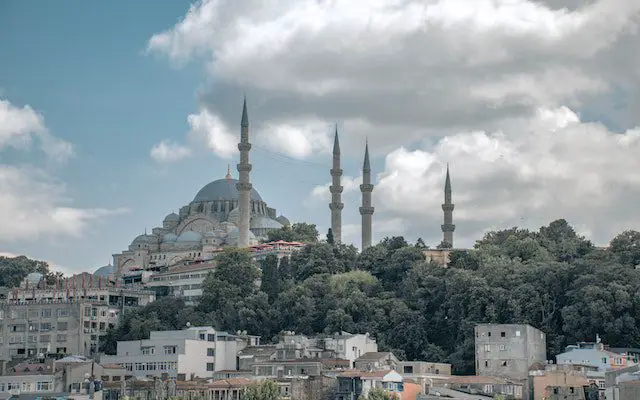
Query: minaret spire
[[244, 183], [228, 176], [366, 211], [336, 204], [448, 227]]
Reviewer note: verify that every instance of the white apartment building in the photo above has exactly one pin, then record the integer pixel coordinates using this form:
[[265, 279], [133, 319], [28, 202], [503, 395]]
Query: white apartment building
[[348, 346], [184, 355]]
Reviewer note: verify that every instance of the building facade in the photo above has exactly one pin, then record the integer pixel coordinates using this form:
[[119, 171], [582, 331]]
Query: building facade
[[507, 350], [64, 318], [195, 352]]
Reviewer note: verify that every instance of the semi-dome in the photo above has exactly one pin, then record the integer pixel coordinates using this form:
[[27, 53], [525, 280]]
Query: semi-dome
[[173, 217], [105, 271], [222, 189], [34, 277], [141, 239], [260, 222], [283, 220], [190, 236], [235, 234], [169, 238]]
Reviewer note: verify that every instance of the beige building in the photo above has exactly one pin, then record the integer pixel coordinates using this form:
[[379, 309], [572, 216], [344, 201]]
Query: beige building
[[65, 318]]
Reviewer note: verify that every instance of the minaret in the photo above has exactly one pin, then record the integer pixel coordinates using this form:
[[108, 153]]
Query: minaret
[[366, 211], [448, 227], [336, 204], [244, 184]]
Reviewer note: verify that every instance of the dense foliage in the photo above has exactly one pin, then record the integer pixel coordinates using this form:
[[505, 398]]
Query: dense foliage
[[552, 279], [13, 270]]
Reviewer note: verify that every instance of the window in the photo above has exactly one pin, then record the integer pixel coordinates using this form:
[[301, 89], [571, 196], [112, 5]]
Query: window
[[604, 360], [169, 349], [571, 390], [502, 347], [42, 386], [407, 369], [46, 313], [63, 312], [487, 348], [211, 352], [210, 367], [148, 350], [45, 327], [45, 338], [63, 326], [503, 334], [517, 333], [505, 363], [61, 338], [211, 337], [486, 363]]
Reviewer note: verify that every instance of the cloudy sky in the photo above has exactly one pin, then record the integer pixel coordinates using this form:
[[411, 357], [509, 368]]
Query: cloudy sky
[[113, 114]]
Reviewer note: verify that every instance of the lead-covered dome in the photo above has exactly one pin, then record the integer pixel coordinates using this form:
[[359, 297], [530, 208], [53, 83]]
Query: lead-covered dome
[[222, 189], [105, 271]]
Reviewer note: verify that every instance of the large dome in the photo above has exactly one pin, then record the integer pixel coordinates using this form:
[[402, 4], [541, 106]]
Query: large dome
[[222, 189]]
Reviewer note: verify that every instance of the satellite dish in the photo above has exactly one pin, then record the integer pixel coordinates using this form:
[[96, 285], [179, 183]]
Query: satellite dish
[[188, 324]]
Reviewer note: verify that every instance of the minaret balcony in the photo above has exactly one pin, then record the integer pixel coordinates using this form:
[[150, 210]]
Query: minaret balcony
[[366, 188], [336, 189], [244, 167], [244, 146], [367, 210], [336, 206], [448, 207], [448, 227], [244, 186]]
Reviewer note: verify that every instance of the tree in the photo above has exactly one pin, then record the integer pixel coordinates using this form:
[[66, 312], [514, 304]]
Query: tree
[[270, 279], [298, 232], [13, 270], [444, 245], [421, 245], [626, 248], [264, 390], [330, 236], [379, 394]]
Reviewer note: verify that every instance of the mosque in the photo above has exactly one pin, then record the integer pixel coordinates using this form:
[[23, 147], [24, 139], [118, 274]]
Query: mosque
[[213, 219], [230, 212]]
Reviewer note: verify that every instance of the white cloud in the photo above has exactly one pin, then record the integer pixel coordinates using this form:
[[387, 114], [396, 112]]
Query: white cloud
[[550, 166], [299, 140], [19, 125], [349, 185], [32, 203], [167, 151], [208, 129], [495, 87], [32, 206]]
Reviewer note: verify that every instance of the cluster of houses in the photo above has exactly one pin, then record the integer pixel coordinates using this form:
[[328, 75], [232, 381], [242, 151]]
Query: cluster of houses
[[203, 363], [50, 335]]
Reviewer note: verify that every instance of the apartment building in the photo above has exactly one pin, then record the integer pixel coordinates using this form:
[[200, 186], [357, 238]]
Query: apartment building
[[508, 350], [195, 352], [183, 281], [61, 319]]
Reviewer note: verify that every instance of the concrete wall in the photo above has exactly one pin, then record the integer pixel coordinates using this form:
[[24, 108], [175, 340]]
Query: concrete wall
[[507, 350], [539, 384]]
